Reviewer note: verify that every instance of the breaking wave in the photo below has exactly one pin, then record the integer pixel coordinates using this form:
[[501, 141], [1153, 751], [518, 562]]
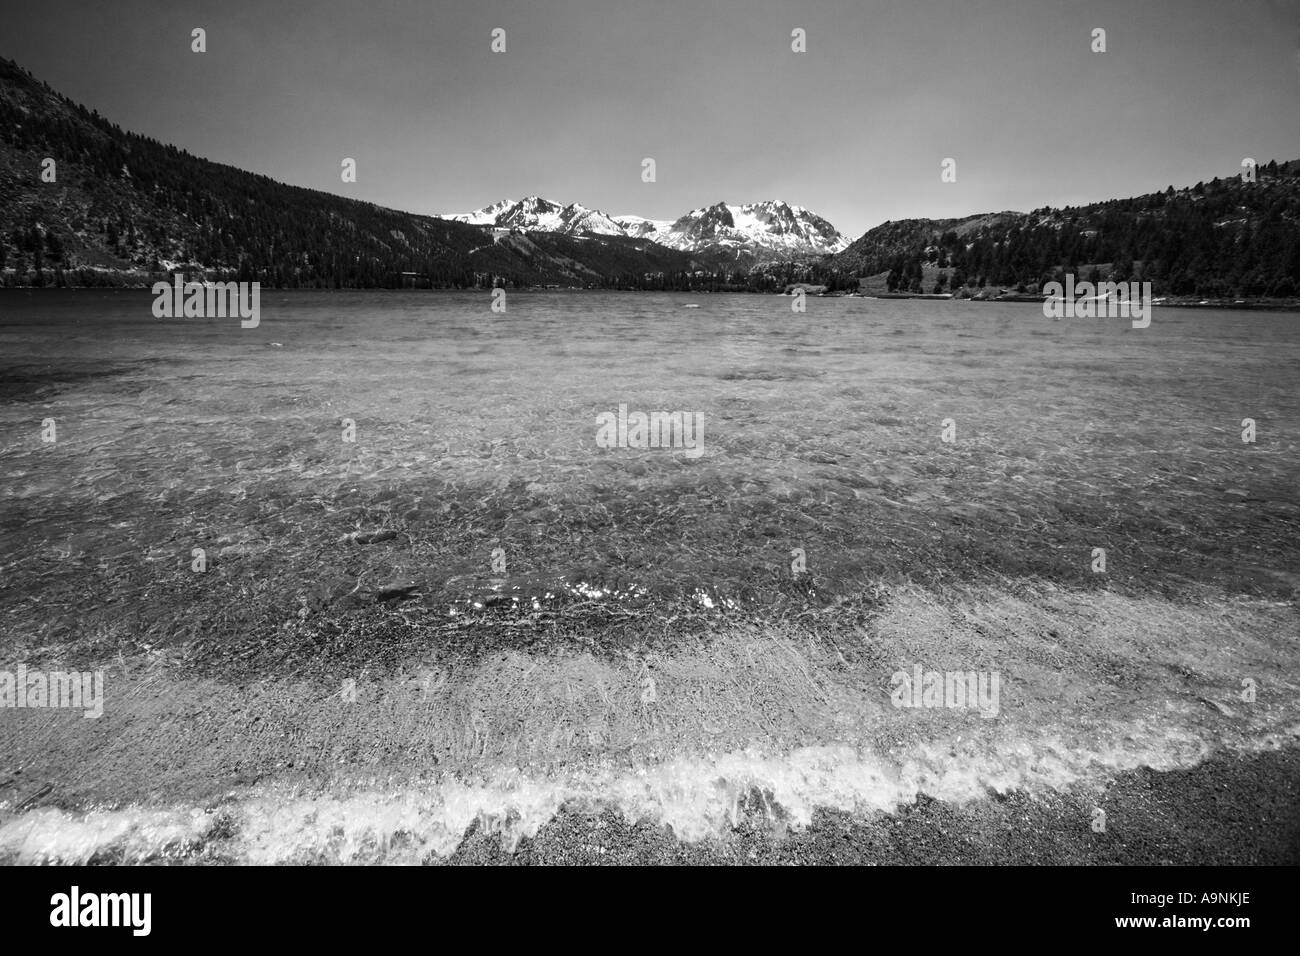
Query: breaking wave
[[697, 798]]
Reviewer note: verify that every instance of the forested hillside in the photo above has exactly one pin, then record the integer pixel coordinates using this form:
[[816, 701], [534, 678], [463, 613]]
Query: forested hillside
[[1217, 239], [123, 207]]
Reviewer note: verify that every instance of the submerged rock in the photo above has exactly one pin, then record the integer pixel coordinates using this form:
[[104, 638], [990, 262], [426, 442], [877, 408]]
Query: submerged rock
[[370, 537]]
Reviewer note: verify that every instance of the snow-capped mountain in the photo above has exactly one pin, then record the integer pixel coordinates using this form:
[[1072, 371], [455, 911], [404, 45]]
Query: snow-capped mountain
[[535, 214], [487, 216], [770, 227]]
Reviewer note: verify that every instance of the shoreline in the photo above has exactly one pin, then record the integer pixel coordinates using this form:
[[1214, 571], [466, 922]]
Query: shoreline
[[1231, 808], [393, 750], [1257, 305], [1227, 811]]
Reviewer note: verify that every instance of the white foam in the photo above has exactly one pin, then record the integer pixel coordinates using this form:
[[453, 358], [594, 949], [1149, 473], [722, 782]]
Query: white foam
[[48, 835], [698, 797]]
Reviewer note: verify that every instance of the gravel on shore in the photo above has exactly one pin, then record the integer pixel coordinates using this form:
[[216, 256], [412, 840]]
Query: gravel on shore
[[1229, 810]]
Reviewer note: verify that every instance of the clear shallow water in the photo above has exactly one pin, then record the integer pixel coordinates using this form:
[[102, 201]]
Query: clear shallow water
[[477, 430]]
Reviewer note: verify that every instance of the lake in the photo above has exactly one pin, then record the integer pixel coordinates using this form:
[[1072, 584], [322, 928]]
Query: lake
[[822, 431], [373, 548]]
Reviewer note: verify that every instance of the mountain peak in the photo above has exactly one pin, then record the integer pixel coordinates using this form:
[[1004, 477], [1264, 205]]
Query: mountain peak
[[768, 227]]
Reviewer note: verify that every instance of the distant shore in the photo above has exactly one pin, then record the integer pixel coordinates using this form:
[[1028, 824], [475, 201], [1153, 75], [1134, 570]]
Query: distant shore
[[1168, 302], [1174, 302]]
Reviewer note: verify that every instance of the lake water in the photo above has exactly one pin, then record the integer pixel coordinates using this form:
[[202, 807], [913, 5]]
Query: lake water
[[821, 431], [475, 530]]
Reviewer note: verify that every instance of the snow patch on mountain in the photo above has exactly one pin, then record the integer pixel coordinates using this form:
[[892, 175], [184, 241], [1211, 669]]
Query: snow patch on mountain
[[487, 216], [638, 227], [535, 214], [772, 227]]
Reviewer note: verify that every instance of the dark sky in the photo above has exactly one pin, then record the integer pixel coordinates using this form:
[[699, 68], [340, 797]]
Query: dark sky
[[855, 129]]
